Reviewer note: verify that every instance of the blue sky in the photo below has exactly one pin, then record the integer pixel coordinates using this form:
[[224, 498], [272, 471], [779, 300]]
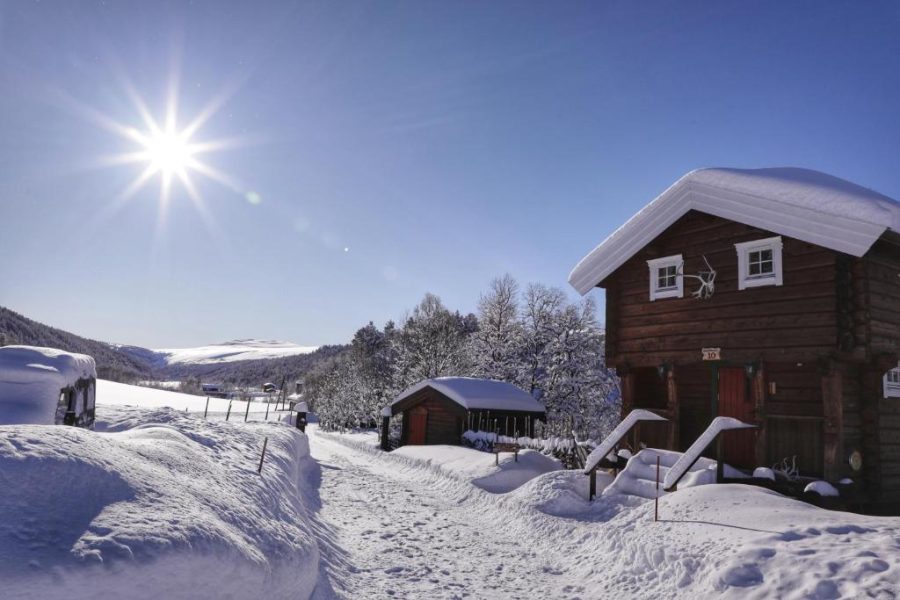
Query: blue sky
[[440, 143]]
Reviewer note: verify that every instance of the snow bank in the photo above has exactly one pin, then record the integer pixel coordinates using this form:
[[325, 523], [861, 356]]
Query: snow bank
[[480, 468], [232, 351], [157, 505], [31, 379]]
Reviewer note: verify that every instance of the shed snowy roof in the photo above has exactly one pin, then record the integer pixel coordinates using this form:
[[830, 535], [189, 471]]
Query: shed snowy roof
[[476, 394], [800, 203]]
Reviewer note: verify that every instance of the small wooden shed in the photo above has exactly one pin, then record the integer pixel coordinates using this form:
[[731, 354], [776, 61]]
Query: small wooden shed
[[438, 411]]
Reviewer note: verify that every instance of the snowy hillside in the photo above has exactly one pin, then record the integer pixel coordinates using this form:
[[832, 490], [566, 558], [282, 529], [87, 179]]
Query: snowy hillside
[[231, 352]]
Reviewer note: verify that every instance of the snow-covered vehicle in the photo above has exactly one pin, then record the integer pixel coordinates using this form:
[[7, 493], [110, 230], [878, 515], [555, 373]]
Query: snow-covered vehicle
[[46, 386]]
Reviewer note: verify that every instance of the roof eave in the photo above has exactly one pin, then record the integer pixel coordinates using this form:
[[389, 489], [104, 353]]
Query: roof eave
[[841, 234]]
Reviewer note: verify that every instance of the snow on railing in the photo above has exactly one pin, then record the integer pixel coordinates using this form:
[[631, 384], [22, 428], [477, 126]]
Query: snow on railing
[[610, 442], [687, 460], [551, 445]]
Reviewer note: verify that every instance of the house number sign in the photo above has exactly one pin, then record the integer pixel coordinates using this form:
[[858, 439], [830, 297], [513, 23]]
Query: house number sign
[[712, 353]]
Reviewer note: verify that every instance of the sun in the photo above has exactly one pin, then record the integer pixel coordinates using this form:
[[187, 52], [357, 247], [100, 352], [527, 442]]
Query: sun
[[169, 152]]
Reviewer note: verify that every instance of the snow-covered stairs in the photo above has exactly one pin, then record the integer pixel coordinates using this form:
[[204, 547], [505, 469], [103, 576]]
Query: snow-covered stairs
[[638, 478]]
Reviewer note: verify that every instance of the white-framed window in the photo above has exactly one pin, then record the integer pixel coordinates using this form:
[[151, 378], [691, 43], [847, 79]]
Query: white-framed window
[[665, 277], [892, 383], [759, 263]]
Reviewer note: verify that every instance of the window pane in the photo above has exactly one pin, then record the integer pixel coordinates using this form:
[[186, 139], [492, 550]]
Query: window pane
[[666, 278], [754, 268]]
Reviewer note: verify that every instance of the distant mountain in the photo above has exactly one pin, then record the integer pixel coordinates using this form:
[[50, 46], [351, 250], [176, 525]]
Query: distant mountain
[[112, 363], [240, 362], [236, 350]]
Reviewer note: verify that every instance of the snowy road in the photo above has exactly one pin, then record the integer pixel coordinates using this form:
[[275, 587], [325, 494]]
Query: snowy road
[[392, 534]]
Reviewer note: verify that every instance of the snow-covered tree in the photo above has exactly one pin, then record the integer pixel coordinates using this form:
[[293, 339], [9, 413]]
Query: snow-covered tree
[[433, 342], [497, 344]]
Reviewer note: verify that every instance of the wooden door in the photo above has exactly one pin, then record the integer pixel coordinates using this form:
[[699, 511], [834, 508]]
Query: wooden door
[[734, 401], [418, 421]]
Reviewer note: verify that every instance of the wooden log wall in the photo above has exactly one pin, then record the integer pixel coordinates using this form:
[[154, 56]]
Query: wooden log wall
[[795, 321], [883, 310]]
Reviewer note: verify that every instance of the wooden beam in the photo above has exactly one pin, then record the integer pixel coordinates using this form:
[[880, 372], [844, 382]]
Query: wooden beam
[[627, 380], [672, 408], [833, 426], [758, 396]]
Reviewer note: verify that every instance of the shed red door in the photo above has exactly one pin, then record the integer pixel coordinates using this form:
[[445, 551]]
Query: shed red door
[[417, 422], [734, 401]]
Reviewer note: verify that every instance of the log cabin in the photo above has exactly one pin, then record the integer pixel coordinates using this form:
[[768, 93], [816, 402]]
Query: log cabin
[[438, 411], [772, 296]]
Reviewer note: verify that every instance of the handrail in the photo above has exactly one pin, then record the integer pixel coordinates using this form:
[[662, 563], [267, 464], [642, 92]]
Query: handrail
[[687, 460], [612, 440]]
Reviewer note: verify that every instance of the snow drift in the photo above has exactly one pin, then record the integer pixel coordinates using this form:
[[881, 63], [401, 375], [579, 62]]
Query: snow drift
[[158, 505]]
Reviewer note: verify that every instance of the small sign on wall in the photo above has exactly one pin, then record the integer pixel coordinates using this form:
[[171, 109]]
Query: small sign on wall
[[711, 353]]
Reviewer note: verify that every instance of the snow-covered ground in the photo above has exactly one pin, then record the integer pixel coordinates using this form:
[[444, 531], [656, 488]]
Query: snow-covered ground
[[411, 524], [158, 503], [231, 351], [110, 393]]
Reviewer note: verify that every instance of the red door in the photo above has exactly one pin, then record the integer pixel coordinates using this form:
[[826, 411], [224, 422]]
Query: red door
[[734, 401], [417, 422]]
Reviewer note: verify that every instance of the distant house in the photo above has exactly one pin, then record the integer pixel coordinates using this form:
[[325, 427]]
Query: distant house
[[438, 411], [769, 295]]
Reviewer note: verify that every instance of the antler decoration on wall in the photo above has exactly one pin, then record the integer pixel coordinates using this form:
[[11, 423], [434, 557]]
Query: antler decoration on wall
[[707, 281]]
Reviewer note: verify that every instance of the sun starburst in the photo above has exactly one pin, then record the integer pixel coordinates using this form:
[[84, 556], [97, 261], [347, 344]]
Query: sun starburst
[[164, 149]]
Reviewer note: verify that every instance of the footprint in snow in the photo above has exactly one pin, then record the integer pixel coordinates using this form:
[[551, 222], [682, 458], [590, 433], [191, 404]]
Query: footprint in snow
[[745, 575]]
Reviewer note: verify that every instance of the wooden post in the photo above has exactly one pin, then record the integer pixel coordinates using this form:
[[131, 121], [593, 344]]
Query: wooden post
[[720, 457], [758, 395], [592, 493], [833, 426], [673, 408], [627, 379], [268, 402], [263, 457], [228, 413], [247, 412], [385, 433], [656, 500], [205, 410]]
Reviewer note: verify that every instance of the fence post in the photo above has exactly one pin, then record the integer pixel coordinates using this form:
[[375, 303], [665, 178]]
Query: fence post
[[247, 413], [228, 413], [263, 457], [267, 409], [205, 410]]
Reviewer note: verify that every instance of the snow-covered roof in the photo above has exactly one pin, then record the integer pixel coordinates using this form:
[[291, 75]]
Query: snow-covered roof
[[476, 394], [31, 379], [24, 364], [800, 203]]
